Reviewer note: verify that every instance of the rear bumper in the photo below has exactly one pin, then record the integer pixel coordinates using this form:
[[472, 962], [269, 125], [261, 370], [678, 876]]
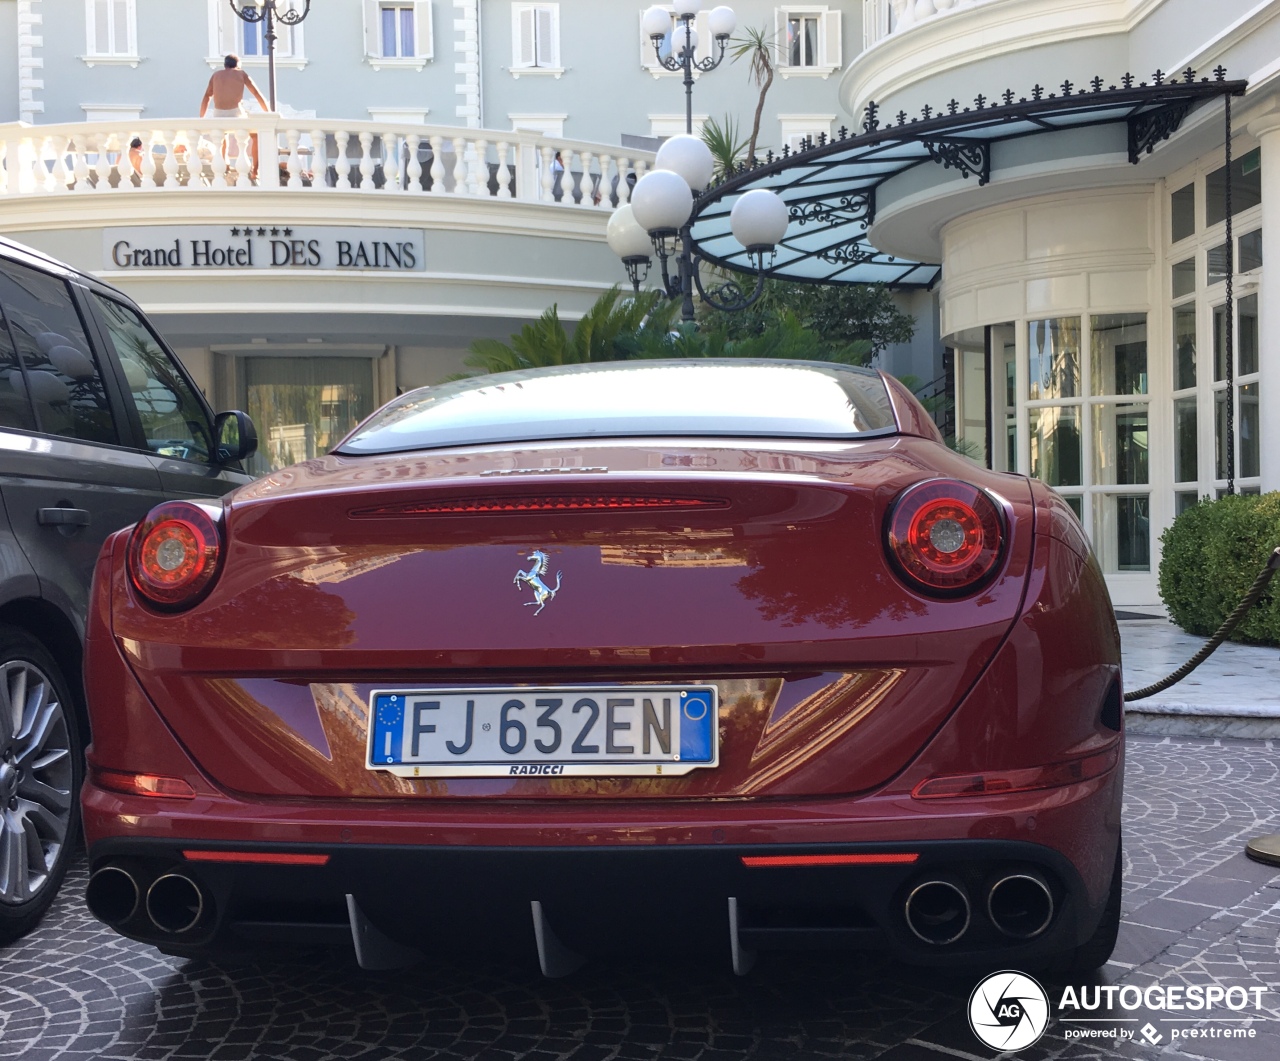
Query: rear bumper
[[442, 879]]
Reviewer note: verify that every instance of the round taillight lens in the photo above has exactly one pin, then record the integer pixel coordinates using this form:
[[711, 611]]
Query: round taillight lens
[[174, 555], [945, 536]]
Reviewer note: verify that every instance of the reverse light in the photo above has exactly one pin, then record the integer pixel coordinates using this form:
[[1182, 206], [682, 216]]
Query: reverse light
[[144, 784], [945, 536], [547, 503], [1001, 782], [174, 555]]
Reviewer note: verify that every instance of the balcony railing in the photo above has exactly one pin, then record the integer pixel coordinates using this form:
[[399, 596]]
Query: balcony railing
[[373, 158], [880, 18]]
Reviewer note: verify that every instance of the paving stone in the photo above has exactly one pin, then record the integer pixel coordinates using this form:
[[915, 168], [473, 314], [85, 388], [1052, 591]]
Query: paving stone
[[1197, 912]]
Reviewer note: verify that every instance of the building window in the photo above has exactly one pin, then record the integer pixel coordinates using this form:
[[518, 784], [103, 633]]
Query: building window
[[535, 37], [1203, 448], [253, 40], [799, 129], [398, 38], [808, 40], [112, 26], [397, 32]]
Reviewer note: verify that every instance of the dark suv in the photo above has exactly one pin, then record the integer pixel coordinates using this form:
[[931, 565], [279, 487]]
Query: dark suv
[[98, 423]]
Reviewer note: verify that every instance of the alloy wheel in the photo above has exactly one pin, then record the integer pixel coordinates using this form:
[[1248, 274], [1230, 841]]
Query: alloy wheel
[[36, 780]]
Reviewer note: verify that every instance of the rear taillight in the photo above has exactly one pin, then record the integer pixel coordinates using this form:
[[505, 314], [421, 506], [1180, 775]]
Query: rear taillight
[[945, 536], [174, 555]]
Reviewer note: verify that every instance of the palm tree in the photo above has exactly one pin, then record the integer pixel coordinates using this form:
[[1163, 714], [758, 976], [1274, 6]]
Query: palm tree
[[722, 140], [757, 44]]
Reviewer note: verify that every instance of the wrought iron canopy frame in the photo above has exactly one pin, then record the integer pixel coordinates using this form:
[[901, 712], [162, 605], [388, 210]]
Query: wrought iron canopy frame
[[830, 187]]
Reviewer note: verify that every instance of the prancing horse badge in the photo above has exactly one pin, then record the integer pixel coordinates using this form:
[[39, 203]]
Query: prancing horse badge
[[542, 593]]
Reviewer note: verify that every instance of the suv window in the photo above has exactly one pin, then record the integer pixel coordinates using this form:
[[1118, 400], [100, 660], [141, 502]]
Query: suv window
[[173, 419], [15, 410], [62, 378]]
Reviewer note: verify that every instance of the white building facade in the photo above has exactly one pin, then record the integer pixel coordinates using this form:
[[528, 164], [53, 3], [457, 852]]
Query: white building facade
[[1102, 337], [436, 171]]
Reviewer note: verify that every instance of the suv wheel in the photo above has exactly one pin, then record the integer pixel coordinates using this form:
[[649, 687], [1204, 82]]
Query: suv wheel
[[41, 764]]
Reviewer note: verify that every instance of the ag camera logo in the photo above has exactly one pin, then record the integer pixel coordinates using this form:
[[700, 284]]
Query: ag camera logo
[[1008, 1011]]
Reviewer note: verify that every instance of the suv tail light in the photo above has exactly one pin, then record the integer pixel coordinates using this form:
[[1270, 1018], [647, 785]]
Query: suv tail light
[[174, 555], [945, 536]]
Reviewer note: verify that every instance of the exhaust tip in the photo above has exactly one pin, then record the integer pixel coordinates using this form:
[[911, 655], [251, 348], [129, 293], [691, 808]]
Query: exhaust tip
[[175, 903], [1020, 905], [112, 895], [937, 911]]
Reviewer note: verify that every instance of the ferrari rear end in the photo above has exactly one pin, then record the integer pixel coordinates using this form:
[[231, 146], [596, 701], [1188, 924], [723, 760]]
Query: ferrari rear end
[[655, 656]]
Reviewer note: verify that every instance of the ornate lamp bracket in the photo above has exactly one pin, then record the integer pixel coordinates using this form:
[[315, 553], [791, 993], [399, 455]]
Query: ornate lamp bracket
[[729, 296]]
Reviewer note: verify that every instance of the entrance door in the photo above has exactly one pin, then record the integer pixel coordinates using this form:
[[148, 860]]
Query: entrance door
[[303, 406]]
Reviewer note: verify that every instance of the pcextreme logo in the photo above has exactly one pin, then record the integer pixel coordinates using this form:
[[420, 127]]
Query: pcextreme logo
[[1008, 1011]]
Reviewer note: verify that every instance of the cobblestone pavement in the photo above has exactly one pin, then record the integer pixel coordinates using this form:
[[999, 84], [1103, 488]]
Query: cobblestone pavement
[[1196, 912]]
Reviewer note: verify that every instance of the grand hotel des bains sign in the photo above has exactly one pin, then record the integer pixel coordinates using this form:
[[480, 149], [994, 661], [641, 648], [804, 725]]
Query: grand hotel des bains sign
[[232, 247]]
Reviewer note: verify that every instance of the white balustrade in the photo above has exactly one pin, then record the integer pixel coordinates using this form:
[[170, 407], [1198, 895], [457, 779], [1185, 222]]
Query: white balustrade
[[87, 158]]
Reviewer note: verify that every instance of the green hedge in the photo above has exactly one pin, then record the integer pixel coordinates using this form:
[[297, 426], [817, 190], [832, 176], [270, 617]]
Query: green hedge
[[1212, 554]]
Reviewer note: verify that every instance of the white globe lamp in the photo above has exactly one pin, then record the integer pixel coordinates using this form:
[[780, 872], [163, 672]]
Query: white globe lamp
[[759, 220], [722, 22], [662, 202], [687, 8], [688, 156], [626, 238], [656, 22]]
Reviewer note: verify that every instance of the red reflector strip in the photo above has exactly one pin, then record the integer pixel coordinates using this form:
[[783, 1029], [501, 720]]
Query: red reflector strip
[[999, 783], [759, 861], [266, 858], [144, 784], [565, 503]]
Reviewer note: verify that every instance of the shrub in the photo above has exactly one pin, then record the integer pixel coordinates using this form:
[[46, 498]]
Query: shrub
[[1212, 554]]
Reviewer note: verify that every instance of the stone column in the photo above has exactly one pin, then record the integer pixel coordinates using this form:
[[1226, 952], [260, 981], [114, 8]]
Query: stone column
[[1267, 130]]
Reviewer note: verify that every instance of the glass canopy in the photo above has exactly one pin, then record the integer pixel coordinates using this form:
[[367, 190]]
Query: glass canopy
[[830, 187]]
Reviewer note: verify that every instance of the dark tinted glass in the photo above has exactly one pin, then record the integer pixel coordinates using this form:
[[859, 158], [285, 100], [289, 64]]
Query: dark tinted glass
[[1184, 277], [1246, 187], [1247, 335], [1218, 263], [63, 374], [634, 399], [173, 419], [15, 409], [1250, 254], [1183, 206]]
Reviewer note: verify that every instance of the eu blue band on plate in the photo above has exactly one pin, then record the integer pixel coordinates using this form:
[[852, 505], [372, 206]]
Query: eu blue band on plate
[[696, 726]]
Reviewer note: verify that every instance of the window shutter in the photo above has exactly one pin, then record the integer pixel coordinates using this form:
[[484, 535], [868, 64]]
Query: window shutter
[[829, 42], [372, 28], [548, 19], [783, 53], [523, 53], [423, 29], [228, 31], [702, 26]]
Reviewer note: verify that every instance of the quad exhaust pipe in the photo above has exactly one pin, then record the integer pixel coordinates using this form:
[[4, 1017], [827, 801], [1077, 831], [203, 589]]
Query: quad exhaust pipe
[[937, 911], [1020, 904], [113, 895], [173, 903]]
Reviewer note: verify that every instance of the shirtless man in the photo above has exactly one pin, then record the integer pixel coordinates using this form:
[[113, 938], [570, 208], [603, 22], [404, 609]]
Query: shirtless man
[[226, 92]]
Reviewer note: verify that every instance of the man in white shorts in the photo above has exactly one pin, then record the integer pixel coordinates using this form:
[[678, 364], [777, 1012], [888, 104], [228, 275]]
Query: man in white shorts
[[226, 93]]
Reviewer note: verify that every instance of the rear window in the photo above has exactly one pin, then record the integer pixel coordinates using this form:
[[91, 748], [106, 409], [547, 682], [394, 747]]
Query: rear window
[[727, 398]]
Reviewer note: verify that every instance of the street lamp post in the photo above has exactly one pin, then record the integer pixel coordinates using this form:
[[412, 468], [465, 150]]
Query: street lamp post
[[657, 24], [659, 218], [268, 12]]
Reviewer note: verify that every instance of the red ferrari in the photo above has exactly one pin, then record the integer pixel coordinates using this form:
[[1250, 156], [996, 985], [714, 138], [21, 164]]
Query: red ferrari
[[722, 655]]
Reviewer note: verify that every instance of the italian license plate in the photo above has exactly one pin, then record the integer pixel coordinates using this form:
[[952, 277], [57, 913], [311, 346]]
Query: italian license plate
[[561, 731]]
